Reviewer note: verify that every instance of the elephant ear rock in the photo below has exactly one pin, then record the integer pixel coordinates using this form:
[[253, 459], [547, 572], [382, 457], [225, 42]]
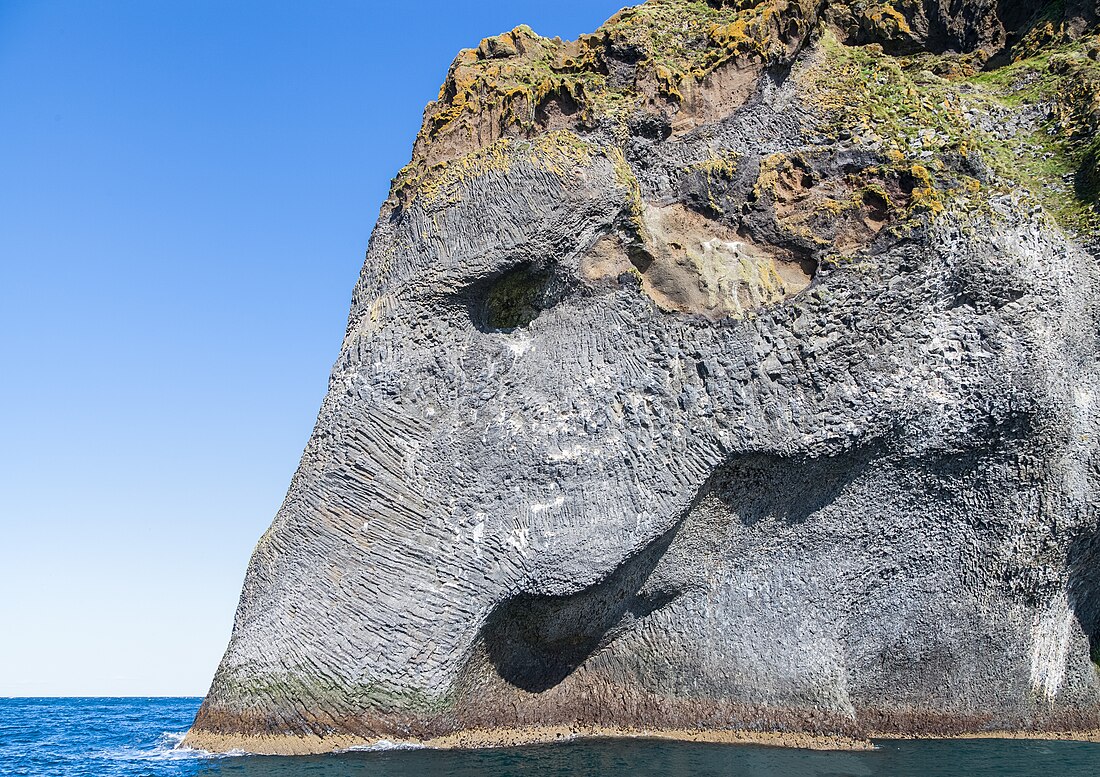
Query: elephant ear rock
[[727, 373]]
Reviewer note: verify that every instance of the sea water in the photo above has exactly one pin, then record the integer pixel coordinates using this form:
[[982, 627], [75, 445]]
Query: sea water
[[138, 738]]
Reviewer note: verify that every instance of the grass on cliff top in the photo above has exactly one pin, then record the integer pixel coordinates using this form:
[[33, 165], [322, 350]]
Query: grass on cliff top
[[910, 113], [690, 39], [671, 34], [1057, 160], [560, 152], [513, 74], [916, 119], [914, 108], [923, 119]]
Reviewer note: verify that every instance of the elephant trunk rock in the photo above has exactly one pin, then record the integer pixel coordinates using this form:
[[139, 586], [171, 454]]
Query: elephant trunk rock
[[728, 373]]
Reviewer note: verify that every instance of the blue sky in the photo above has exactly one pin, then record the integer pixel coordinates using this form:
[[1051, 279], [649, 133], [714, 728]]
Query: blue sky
[[186, 193]]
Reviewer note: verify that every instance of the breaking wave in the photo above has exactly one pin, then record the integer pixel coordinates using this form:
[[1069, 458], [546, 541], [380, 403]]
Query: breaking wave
[[168, 747], [382, 744]]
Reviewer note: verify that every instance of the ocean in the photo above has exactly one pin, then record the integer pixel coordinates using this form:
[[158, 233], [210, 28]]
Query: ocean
[[137, 738]]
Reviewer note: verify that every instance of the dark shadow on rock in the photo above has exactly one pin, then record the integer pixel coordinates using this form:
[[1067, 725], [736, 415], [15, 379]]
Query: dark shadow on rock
[[789, 489], [1083, 561], [514, 298], [535, 642]]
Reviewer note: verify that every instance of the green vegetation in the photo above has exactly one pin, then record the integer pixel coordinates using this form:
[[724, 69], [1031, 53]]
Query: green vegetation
[[926, 123], [321, 688], [938, 120], [718, 171], [1057, 161], [512, 85], [442, 181], [560, 152], [915, 119], [514, 300], [669, 33], [1087, 179], [908, 112]]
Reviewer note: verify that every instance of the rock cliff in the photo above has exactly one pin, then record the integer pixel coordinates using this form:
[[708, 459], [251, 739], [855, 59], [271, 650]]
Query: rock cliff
[[729, 370]]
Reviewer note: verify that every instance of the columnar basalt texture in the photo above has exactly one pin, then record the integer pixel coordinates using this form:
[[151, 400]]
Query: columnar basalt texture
[[691, 383]]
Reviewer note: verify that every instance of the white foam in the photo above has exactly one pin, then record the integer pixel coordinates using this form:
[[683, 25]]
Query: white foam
[[382, 744], [168, 747]]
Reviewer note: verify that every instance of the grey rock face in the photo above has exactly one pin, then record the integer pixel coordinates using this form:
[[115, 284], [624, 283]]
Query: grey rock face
[[615, 449]]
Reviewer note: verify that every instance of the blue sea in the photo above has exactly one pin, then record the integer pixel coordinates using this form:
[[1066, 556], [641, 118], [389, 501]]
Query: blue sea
[[137, 738]]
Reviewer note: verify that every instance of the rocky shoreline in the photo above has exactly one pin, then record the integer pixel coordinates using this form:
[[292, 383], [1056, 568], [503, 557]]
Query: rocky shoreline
[[519, 737]]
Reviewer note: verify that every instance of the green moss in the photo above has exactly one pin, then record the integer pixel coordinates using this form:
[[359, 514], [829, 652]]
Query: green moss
[[863, 91], [670, 32], [911, 109], [1087, 179], [1046, 30], [328, 693], [443, 181], [561, 152], [874, 193], [721, 165], [717, 170], [914, 119], [920, 120], [924, 195], [507, 86], [1057, 161], [624, 173], [514, 300]]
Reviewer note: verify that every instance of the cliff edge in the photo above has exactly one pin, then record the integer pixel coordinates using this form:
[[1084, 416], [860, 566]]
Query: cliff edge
[[729, 373]]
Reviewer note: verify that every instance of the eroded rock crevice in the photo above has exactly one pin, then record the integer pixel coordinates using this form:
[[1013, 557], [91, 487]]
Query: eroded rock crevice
[[534, 642], [1084, 589], [688, 263], [514, 298]]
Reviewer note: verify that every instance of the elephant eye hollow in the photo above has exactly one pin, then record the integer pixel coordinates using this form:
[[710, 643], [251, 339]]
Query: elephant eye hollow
[[516, 298]]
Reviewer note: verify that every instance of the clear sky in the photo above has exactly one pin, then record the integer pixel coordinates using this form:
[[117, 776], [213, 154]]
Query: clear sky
[[186, 192]]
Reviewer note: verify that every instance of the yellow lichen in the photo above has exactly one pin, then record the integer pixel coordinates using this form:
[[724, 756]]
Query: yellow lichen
[[718, 169], [721, 164], [561, 152], [506, 86], [668, 83], [443, 181], [886, 21]]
